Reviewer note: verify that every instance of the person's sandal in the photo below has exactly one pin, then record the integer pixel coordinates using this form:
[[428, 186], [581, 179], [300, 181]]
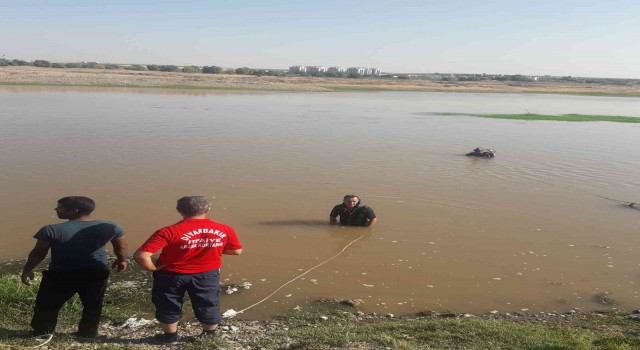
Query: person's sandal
[[167, 338]]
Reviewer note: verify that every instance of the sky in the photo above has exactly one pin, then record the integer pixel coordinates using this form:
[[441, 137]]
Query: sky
[[589, 38]]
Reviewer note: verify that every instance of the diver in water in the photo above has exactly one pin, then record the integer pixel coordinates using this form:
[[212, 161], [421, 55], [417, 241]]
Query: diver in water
[[482, 152], [352, 213]]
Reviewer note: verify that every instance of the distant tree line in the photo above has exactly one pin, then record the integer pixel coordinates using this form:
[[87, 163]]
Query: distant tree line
[[443, 77], [48, 64], [148, 67]]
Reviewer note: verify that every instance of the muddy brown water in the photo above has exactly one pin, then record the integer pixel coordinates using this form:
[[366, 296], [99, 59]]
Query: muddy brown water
[[525, 230]]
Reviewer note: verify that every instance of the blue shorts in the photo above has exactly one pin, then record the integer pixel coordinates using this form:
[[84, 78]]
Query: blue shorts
[[203, 288]]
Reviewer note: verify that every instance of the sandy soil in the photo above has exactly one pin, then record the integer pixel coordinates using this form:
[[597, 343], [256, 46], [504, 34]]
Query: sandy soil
[[124, 78]]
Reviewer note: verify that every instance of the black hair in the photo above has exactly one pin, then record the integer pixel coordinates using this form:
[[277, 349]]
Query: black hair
[[84, 205], [349, 196]]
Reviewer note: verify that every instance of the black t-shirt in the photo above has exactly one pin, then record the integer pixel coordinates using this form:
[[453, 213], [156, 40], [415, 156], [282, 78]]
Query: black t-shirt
[[359, 216]]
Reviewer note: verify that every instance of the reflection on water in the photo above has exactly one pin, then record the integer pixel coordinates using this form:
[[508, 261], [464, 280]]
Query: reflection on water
[[523, 230]]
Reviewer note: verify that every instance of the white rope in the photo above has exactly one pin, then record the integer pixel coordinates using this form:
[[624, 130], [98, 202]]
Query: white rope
[[49, 337], [232, 313], [227, 314]]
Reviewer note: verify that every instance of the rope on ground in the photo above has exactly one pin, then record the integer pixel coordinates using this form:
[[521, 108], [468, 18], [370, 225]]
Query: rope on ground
[[45, 339], [232, 313], [228, 314]]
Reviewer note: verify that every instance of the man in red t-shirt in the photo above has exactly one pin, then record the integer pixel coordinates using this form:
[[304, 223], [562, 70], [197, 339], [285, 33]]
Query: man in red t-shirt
[[190, 262]]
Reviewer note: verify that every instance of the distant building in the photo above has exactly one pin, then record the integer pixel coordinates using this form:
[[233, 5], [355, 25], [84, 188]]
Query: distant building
[[336, 69], [356, 70], [363, 71], [316, 69], [297, 69]]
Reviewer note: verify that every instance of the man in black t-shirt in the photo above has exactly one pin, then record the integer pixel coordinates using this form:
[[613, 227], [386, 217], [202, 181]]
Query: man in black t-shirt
[[352, 213]]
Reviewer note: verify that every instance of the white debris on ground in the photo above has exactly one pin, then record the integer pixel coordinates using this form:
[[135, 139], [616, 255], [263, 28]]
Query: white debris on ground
[[126, 284], [133, 322], [229, 313]]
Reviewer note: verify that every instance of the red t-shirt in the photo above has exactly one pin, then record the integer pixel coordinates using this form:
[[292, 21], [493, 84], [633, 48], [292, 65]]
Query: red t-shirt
[[192, 245]]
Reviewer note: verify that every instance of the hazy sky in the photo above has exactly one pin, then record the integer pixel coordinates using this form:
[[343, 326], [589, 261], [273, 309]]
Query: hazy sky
[[594, 38]]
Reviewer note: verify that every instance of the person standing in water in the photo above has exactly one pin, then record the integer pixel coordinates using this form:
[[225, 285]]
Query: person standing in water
[[352, 213]]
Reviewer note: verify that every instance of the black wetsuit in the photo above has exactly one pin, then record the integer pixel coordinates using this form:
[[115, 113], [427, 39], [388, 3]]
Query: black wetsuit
[[358, 216]]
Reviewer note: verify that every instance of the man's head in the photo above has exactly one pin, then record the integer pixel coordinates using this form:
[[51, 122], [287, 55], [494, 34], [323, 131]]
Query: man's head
[[190, 206], [74, 206], [351, 201]]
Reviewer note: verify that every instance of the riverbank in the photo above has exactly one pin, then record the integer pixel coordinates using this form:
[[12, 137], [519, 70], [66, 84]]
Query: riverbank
[[82, 77], [323, 324]]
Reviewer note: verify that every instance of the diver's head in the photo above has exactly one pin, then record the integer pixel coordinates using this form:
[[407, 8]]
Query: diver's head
[[351, 201]]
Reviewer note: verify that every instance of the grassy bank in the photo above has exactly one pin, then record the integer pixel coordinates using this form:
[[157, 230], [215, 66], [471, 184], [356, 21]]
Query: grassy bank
[[563, 117], [320, 325]]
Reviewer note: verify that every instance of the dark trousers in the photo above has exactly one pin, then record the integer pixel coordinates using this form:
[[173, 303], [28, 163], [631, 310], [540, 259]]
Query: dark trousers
[[203, 289], [59, 286]]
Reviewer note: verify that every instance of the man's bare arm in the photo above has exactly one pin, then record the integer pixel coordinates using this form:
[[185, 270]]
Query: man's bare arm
[[121, 251], [232, 252], [37, 254], [372, 222], [144, 260]]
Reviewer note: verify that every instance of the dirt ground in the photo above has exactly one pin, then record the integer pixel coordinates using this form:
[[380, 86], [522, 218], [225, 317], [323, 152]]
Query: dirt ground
[[23, 75]]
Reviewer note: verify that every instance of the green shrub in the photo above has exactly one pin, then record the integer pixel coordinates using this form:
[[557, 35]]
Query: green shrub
[[191, 69], [137, 67], [169, 68], [42, 63], [244, 71], [16, 62], [211, 70]]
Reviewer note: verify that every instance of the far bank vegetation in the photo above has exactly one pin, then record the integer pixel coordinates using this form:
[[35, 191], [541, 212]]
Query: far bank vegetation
[[444, 78]]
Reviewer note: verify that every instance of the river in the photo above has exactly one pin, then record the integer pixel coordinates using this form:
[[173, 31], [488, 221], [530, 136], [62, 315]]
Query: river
[[525, 230]]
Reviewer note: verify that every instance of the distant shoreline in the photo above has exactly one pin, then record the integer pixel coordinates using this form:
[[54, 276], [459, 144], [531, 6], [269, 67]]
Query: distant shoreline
[[562, 117], [101, 78]]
